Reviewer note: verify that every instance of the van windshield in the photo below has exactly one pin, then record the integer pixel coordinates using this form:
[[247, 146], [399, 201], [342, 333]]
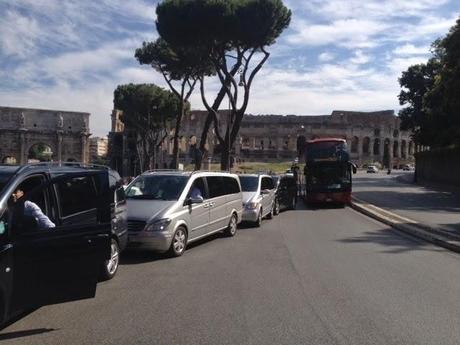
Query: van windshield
[[249, 183], [156, 187]]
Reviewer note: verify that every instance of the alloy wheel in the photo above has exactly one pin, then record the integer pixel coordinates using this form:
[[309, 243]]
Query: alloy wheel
[[179, 241], [112, 263]]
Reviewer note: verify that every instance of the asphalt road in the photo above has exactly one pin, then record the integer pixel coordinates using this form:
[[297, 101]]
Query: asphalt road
[[323, 276], [425, 205]]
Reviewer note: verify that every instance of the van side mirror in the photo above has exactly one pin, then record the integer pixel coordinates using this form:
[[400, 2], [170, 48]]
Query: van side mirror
[[190, 201]]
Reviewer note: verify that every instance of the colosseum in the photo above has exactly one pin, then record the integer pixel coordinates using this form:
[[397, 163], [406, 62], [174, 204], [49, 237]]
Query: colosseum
[[372, 137]]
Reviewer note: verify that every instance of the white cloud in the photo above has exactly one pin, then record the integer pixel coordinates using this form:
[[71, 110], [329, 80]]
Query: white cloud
[[399, 65], [326, 56], [428, 29], [95, 97], [18, 34], [350, 33], [341, 9], [410, 49], [360, 58]]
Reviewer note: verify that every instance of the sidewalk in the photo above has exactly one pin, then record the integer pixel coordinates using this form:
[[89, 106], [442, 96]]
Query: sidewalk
[[427, 212]]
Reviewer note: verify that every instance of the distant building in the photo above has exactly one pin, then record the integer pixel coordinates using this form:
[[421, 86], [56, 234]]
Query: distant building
[[98, 148], [51, 135]]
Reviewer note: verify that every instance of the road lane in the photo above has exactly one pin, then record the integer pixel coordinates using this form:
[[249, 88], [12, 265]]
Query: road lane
[[324, 276]]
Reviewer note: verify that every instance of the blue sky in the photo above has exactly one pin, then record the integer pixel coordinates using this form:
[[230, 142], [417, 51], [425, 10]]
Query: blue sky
[[336, 54]]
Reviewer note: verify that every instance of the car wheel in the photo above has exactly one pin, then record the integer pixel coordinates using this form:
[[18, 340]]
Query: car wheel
[[2, 311], [270, 214], [179, 242], [276, 208], [293, 203], [232, 226], [111, 265], [258, 222]]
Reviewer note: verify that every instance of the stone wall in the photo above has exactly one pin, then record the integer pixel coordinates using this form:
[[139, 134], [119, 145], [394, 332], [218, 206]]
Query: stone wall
[[439, 166]]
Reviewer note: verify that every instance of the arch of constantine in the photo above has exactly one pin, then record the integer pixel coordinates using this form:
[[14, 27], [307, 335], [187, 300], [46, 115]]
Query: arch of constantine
[[63, 134]]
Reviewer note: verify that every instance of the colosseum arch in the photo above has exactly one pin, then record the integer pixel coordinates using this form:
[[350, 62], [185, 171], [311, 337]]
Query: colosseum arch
[[366, 145], [376, 147], [403, 149], [354, 145], [396, 148], [411, 148]]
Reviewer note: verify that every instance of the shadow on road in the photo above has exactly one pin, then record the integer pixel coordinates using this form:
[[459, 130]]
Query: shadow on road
[[21, 334], [427, 201], [395, 244], [133, 256]]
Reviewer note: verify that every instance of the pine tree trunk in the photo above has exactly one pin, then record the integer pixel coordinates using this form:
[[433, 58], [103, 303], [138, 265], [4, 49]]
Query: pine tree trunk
[[224, 157], [175, 158]]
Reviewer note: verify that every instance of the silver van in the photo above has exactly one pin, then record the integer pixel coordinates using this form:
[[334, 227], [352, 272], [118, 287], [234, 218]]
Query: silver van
[[169, 209], [258, 197]]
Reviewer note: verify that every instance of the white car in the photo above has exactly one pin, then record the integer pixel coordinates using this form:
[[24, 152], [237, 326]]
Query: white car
[[259, 193], [372, 169]]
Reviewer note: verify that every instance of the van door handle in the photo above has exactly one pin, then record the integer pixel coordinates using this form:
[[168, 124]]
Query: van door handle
[[205, 205], [90, 238], [211, 204]]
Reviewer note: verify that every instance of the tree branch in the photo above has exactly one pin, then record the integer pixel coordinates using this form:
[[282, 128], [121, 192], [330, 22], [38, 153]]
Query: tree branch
[[171, 86]]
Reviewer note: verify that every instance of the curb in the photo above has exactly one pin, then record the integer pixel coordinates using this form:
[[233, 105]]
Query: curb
[[436, 236]]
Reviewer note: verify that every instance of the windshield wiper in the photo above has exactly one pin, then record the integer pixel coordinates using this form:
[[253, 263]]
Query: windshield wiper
[[143, 197]]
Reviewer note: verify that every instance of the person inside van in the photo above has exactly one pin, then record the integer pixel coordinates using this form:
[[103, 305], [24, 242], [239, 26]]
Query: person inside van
[[31, 209], [197, 190], [196, 193]]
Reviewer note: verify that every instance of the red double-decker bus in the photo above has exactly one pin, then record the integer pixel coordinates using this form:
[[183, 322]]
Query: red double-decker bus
[[328, 171]]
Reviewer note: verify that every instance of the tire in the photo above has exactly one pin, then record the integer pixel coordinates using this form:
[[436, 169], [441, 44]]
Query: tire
[[179, 242], [2, 312], [230, 231], [270, 215], [110, 268], [258, 222], [276, 208], [293, 204]]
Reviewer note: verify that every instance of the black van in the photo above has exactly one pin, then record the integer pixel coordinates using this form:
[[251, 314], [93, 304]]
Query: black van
[[57, 232], [286, 192]]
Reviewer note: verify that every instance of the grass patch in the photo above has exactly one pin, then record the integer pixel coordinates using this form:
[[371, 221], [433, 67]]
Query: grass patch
[[251, 167]]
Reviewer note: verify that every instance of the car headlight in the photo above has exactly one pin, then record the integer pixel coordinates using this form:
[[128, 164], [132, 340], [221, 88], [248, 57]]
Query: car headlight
[[158, 225], [252, 205]]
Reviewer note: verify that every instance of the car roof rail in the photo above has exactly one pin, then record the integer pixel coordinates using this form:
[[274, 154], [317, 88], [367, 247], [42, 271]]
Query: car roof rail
[[61, 164], [162, 170], [211, 171]]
